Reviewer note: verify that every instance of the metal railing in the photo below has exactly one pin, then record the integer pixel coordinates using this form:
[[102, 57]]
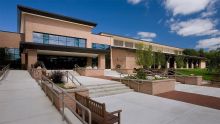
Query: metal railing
[[72, 78], [3, 71], [85, 110]]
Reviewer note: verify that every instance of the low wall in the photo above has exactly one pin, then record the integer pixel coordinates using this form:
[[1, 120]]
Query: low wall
[[90, 72], [193, 80], [125, 71], [150, 87], [56, 96]]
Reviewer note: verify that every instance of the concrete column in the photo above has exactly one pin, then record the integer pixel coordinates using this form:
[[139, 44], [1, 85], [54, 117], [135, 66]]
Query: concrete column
[[31, 57], [175, 66], [89, 61], [101, 61], [187, 64], [168, 64], [159, 66], [202, 64], [192, 65]]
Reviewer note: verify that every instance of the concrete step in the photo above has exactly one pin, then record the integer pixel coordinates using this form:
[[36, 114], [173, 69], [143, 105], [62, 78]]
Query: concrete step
[[107, 89], [101, 94], [104, 86]]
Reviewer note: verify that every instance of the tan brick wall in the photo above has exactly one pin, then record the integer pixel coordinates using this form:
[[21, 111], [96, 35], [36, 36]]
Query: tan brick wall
[[10, 40], [32, 57], [51, 26], [125, 58], [150, 87]]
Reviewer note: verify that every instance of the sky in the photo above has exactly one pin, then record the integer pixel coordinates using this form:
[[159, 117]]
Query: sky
[[180, 23]]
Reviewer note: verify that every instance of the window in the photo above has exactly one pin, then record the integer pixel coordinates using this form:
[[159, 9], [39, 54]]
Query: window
[[38, 37], [100, 46], [82, 43], [62, 40], [53, 39], [13, 53], [118, 43], [129, 44], [58, 40], [70, 41]]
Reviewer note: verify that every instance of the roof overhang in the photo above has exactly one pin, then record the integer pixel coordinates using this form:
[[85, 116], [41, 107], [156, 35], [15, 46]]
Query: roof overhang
[[49, 47], [23, 9]]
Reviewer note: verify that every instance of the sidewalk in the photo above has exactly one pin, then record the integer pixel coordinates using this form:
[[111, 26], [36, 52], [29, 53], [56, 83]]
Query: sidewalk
[[23, 102]]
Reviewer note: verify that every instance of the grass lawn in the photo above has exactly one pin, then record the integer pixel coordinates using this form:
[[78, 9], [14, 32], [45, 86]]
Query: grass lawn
[[197, 72]]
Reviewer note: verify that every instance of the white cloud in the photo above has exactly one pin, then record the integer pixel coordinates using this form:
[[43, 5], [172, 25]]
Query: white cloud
[[195, 27], [134, 1], [208, 14], [147, 36], [186, 7], [211, 44]]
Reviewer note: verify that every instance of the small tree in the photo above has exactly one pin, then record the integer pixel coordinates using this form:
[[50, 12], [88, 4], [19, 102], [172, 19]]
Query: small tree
[[148, 57], [160, 58], [144, 55], [140, 54], [179, 61]]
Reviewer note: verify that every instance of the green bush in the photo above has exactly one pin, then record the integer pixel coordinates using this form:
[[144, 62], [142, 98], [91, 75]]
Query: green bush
[[56, 77], [141, 74]]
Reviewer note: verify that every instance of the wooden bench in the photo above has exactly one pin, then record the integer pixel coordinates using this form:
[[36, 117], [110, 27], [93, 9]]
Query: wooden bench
[[98, 111]]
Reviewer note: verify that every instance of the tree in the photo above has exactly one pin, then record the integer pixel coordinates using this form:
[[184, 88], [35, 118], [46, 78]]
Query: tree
[[160, 58], [179, 61], [190, 52], [140, 54], [144, 55], [148, 57]]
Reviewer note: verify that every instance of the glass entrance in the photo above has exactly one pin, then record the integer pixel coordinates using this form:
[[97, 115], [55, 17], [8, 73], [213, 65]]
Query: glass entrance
[[62, 62]]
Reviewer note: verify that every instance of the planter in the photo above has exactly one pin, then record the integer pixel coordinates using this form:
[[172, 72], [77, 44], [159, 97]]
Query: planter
[[193, 80], [152, 87], [56, 96], [90, 72]]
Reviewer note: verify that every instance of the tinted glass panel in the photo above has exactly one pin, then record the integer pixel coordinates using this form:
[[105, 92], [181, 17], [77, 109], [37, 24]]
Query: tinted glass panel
[[58, 40], [100, 46], [82, 43]]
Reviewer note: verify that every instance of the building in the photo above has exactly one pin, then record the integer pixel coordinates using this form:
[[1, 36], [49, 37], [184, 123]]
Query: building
[[62, 42]]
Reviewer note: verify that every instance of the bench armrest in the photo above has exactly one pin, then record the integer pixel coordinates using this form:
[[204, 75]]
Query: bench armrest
[[115, 112]]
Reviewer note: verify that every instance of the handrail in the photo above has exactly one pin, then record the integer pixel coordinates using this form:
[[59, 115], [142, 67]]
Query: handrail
[[72, 77], [64, 93], [3, 71]]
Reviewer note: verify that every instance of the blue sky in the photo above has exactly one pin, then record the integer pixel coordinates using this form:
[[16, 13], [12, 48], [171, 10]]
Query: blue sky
[[179, 23]]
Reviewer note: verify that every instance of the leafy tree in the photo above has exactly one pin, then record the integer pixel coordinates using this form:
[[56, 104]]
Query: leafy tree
[[190, 52], [140, 54], [179, 61], [148, 57], [160, 58], [144, 55]]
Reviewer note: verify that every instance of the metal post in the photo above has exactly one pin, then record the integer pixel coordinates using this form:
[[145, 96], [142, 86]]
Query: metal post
[[63, 105]]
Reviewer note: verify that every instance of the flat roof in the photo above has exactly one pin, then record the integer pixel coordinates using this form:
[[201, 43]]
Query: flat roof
[[137, 39], [53, 15]]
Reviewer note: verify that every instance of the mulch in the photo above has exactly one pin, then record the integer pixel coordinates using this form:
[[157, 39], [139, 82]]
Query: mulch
[[197, 99]]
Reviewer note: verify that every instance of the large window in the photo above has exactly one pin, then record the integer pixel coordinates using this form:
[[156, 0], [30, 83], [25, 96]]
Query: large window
[[118, 43], [100, 46], [13, 53], [58, 40]]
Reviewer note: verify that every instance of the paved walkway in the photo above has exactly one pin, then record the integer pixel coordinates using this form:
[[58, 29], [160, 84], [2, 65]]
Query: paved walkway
[[203, 90], [23, 102], [138, 108]]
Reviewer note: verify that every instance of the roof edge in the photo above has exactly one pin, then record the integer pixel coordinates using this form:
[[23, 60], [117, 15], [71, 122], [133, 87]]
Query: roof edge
[[53, 15]]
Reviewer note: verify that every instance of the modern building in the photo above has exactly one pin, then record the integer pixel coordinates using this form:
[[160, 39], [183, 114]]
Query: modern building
[[61, 42]]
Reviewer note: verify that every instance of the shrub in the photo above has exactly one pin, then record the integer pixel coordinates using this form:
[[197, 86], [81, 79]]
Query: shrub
[[56, 77], [141, 74]]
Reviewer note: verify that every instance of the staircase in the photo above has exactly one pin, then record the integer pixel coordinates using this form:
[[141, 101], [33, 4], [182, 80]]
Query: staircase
[[111, 73], [107, 89]]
